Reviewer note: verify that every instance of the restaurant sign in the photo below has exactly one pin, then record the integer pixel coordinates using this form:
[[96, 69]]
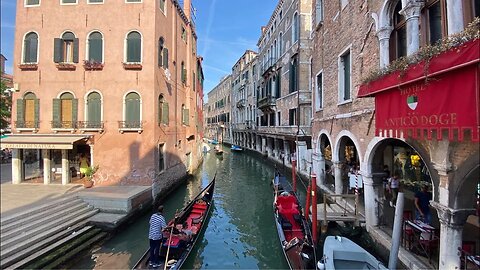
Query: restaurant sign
[[36, 146], [443, 103]]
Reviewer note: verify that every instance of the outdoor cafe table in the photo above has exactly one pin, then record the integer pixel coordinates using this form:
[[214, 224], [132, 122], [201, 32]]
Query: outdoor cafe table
[[424, 237]]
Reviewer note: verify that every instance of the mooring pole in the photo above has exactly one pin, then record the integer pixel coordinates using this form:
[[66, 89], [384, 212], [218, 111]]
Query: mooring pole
[[294, 173], [314, 207], [397, 232], [307, 203]]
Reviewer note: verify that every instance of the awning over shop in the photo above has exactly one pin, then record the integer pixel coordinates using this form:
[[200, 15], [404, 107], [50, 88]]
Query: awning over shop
[[17, 141], [440, 95]]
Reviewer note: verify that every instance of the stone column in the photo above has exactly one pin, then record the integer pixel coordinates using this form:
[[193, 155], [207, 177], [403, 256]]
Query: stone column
[[412, 16], [316, 168], [269, 148], [286, 146], [264, 145], [65, 167], [47, 166], [92, 160], [454, 16], [451, 229], [276, 153], [337, 165], [371, 196], [383, 35], [17, 166]]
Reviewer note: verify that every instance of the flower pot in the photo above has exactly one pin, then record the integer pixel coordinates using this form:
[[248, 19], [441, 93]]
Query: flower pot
[[88, 183]]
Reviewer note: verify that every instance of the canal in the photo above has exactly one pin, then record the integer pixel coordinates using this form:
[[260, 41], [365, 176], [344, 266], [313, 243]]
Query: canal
[[240, 234]]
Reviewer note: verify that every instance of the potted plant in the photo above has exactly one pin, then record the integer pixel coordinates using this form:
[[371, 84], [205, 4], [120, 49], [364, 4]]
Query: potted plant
[[89, 173]]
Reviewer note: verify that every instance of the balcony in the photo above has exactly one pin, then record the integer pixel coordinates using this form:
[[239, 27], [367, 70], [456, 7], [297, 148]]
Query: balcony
[[241, 103], [269, 66], [266, 103], [129, 126], [90, 125], [286, 130], [27, 125], [64, 126]]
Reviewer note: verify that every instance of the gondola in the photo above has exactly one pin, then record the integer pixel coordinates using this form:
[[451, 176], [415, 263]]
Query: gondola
[[183, 232], [292, 227], [236, 148]]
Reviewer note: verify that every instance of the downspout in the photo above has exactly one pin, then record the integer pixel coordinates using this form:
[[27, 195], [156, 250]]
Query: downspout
[[176, 75]]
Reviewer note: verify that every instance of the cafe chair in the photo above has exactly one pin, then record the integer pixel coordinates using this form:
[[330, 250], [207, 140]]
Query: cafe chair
[[430, 243]]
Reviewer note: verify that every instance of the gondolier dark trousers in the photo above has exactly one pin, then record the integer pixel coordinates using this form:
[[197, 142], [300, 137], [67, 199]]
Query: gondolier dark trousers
[[155, 250]]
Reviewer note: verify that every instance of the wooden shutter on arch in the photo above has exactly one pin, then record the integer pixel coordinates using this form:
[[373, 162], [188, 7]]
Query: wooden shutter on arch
[[75, 50], [56, 110], [74, 112], [57, 50], [165, 113], [20, 110], [37, 113]]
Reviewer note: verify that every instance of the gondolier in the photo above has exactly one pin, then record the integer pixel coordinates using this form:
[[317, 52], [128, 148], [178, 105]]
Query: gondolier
[[157, 223]]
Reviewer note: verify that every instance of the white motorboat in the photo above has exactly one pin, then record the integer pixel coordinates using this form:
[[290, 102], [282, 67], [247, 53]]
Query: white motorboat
[[342, 253]]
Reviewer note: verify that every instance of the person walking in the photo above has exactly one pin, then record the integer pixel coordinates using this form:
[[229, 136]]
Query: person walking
[[84, 164], [157, 224], [394, 184]]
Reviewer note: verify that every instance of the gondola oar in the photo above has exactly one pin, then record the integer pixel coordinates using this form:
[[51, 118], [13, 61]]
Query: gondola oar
[[169, 240]]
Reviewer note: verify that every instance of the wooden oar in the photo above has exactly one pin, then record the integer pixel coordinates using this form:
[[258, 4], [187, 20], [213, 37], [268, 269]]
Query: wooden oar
[[169, 240]]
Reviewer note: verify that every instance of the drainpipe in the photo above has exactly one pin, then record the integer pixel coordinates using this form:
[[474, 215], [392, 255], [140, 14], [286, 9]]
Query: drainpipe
[[176, 74]]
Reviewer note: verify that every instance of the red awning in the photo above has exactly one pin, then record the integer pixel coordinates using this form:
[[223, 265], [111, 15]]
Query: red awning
[[458, 57], [431, 99]]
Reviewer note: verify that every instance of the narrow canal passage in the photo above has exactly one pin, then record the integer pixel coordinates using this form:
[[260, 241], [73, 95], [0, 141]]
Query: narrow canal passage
[[240, 234]]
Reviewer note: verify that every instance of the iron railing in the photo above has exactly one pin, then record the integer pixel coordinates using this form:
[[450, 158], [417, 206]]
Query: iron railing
[[130, 124], [64, 124], [90, 124], [27, 124]]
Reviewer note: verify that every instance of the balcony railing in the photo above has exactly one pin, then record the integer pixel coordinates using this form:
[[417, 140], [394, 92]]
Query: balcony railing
[[266, 102], [64, 125], [129, 126], [241, 103], [27, 124], [91, 125], [269, 65], [286, 130]]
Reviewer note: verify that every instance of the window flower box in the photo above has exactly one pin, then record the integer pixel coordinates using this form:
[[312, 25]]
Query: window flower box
[[92, 65], [132, 66], [31, 66], [66, 66]]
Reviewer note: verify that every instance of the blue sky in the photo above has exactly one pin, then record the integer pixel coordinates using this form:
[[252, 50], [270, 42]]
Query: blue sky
[[225, 29]]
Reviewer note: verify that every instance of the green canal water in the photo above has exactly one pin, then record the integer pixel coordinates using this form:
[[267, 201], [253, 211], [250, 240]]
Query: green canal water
[[240, 234]]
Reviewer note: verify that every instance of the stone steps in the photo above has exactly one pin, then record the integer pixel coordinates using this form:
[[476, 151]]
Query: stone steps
[[38, 231]]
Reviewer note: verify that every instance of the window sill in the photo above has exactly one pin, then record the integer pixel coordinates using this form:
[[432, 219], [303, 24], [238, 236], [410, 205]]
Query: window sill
[[66, 66], [83, 130], [132, 66], [93, 67], [123, 130], [345, 102], [35, 130], [28, 67], [56, 130]]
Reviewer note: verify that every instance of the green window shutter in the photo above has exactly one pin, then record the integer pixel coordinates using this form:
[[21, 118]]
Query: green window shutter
[[160, 55], [75, 50], [187, 117], [165, 57], [165, 114], [74, 112], [37, 113], [56, 111], [133, 50], [20, 110], [26, 50], [57, 50], [160, 112], [95, 50]]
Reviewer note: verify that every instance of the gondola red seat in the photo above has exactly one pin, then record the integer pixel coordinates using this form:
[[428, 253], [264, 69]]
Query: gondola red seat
[[287, 205]]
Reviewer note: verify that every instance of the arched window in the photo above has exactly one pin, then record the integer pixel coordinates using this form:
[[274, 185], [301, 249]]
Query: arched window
[[161, 46], [132, 110], [280, 44], [30, 48], [398, 38], [94, 110], [28, 111], [184, 73], [65, 111], [134, 47], [185, 115], [66, 48], [435, 20], [295, 28], [95, 47]]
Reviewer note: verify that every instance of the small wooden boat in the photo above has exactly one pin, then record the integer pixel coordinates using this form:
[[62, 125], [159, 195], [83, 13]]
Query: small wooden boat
[[236, 148], [342, 253], [292, 227], [188, 226]]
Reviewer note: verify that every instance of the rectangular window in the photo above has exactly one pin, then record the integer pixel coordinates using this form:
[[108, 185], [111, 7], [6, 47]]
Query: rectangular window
[[435, 23], [344, 78], [294, 74], [32, 3], [63, 2], [184, 34], [292, 117], [161, 157], [272, 119], [318, 12], [133, 1], [319, 92], [95, 1], [279, 120]]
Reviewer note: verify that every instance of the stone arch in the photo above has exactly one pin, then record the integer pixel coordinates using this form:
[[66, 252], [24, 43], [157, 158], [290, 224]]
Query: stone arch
[[465, 177], [338, 141], [374, 145]]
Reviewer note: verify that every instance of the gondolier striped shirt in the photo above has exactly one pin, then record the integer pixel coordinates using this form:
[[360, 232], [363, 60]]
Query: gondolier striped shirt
[[157, 223]]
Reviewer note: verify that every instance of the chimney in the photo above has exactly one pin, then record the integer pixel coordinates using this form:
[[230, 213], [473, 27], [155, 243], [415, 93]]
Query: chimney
[[187, 4]]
